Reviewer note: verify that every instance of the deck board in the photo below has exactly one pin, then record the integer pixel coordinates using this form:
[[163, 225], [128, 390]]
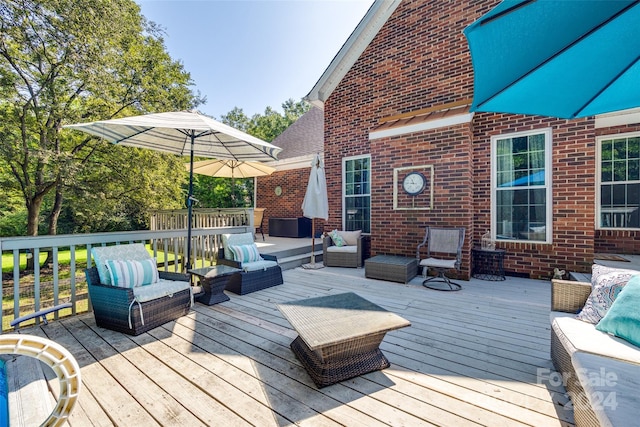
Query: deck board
[[470, 358]]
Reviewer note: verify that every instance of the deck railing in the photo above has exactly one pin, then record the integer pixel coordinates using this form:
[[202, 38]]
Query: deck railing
[[62, 279], [201, 218]]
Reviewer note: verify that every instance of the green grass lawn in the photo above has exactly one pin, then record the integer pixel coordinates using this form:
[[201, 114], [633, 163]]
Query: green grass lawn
[[64, 259]]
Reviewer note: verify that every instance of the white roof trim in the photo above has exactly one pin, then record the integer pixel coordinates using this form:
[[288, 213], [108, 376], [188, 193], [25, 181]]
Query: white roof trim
[[419, 127], [291, 163], [371, 23], [618, 118]]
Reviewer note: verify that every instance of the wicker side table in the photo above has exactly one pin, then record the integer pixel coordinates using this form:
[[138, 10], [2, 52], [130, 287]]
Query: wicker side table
[[391, 267], [213, 280], [488, 264]]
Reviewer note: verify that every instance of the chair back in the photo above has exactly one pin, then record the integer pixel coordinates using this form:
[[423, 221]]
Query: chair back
[[258, 216], [443, 240]]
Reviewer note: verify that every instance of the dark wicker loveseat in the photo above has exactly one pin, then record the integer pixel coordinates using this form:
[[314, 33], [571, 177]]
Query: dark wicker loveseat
[[260, 275], [113, 305], [129, 307]]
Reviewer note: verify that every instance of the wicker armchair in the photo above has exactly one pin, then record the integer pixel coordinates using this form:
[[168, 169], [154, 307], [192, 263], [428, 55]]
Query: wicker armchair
[[254, 275], [115, 308], [134, 309], [250, 281], [344, 256]]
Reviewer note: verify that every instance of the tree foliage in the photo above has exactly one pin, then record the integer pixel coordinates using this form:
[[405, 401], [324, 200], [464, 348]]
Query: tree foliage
[[66, 61], [215, 192], [70, 61]]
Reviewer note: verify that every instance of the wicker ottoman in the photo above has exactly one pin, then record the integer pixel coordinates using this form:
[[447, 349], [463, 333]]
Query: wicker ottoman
[[391, 267]]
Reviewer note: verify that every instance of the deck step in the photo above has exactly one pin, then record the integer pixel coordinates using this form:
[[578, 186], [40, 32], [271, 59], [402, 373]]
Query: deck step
[[297, 260]]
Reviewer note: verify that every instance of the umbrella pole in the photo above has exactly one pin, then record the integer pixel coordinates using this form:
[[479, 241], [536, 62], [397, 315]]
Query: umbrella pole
[[313, 241], [189, 206]]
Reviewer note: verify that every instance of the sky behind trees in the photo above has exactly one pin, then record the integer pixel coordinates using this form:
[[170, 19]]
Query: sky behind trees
[[257, 53]]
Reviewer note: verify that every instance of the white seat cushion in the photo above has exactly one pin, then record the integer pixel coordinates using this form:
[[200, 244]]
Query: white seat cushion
[[577, 335], [343, 249], [611, 387], [160, 289], [258, 265], [438, 263]]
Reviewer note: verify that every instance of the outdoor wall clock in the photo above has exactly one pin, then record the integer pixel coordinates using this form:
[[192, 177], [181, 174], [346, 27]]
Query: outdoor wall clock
[[278, 190], [414, 183], [413, 188]]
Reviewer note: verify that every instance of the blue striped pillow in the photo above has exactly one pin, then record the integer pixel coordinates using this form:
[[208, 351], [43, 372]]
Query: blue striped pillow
[[129, 274], [245, 253]]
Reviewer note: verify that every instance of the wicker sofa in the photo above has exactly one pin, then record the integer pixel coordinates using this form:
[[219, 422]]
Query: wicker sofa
[[349, 254], [134, 310], [256, 275], [601, 372]]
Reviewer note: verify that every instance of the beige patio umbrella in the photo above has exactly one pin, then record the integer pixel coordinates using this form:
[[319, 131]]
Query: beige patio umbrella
[[231, 169], [185, 133]]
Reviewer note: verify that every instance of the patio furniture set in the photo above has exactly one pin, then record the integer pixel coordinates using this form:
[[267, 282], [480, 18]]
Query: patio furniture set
[[338, 336]]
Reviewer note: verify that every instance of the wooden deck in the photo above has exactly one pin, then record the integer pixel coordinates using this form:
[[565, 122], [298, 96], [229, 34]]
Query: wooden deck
[[474, 357]]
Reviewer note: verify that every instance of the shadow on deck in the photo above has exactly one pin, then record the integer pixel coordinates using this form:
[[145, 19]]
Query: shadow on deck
[[474, 357]]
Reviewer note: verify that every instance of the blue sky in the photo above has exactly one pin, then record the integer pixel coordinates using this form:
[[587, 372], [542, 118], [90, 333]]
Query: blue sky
[[254, 53]]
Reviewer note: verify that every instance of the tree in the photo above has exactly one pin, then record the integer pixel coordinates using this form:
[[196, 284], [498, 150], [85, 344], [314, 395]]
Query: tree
[[214, 192], [64, 61]]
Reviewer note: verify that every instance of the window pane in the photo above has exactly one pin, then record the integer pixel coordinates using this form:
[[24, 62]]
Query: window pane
[[606, 174], [606, 150], [619, 149], [520, 145], [357, 196], [520, 209], [633, 170], [620, 170], [634, 148]]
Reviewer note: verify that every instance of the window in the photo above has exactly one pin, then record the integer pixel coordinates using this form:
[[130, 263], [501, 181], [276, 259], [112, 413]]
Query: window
[[619, 179], [356, 193], [521, 186]]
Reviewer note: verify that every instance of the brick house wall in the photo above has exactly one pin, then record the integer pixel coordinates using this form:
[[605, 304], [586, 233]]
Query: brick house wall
[[289, 204], [420, 59], [617, 241]]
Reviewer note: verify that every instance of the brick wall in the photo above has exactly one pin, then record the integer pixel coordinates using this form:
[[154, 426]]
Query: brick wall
[[617, 241], [420, 59], [289, 204], [573, 182]]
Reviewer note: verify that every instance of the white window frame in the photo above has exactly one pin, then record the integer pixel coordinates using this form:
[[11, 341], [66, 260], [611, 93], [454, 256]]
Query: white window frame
[[344, 186], [598, 189], [548, 145]]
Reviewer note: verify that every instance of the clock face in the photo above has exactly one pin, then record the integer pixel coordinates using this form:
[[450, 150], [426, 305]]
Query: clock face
[[414, 183], [278, 190]]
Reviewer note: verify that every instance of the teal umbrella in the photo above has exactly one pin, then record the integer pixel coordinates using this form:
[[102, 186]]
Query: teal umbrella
[[564, 59]]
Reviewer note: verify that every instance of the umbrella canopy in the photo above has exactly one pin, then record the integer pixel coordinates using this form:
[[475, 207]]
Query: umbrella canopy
[[315, 203], [231, 168], [183, 133], [562, 59]]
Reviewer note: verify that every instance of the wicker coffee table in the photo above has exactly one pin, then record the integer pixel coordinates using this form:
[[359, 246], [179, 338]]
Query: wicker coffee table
[[339, 335]]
